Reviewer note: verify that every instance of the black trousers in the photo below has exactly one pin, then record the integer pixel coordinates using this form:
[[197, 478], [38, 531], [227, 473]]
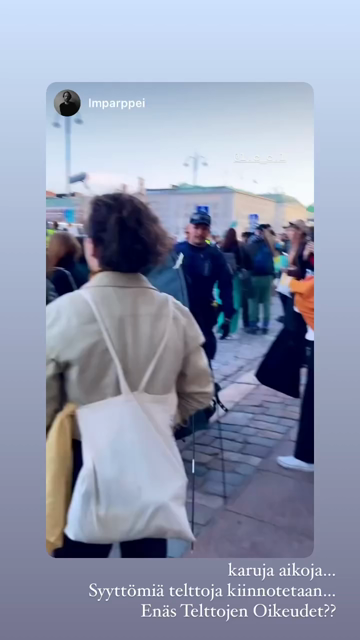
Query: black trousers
[[210, 344], [284, 300], [245, 310], [304, 449], [145, 548]]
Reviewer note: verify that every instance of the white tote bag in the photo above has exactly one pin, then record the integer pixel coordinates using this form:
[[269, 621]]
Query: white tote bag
[[133, 483]]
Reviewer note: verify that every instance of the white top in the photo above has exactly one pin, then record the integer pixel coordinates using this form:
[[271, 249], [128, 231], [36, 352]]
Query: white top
[[310, 334]]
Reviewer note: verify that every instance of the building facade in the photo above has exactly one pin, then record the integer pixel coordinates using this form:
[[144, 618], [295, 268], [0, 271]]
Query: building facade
[[227, 207]]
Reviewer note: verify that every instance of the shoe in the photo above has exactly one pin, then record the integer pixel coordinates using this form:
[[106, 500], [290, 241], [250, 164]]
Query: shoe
[[281, 319], [252, 330], [290, 462], [264, 331]]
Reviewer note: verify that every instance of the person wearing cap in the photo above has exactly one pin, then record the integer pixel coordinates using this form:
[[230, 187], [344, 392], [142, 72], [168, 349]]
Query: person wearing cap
[[297, 234], [203, 266]]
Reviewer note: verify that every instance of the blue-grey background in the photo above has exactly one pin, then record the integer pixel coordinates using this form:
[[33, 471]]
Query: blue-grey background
[[193, 41]]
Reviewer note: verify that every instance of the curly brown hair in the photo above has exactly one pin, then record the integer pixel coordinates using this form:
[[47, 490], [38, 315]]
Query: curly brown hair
[[127, 236]]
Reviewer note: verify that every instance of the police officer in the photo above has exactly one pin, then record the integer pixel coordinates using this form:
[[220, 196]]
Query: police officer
[[203, 266]]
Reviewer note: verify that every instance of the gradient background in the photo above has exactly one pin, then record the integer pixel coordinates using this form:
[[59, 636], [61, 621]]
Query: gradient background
[[275, 41]]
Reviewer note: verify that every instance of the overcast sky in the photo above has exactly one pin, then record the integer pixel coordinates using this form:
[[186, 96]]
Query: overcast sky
[[222, 122]]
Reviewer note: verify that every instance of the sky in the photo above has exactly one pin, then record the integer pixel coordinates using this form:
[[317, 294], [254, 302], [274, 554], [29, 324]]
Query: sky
[[223, 122]]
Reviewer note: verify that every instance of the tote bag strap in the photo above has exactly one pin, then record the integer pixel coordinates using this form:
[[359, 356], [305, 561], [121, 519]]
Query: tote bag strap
[[161, 347], [122, 380]]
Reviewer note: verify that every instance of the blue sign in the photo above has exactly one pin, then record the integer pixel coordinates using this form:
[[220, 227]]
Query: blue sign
[[253, 221], [70, 216], [202, 209]]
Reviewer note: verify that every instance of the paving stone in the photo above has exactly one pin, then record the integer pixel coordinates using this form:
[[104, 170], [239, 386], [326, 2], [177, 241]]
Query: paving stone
[[206, 499], [241, 419], [269, 426], [272, 435], [245, 469], [230, 445], [293, 402], [263, 442], [274, 399], [182, 445], [206, 439], [228, 436], [265, 431], [264, 418], [217, 488], [199, 481], [199, 457], [254, 399], [293, 413], [286, 422], [240, 457], [235, 428], [249, 431], [218, 464], [206, 449], [198, 437], [255, 450], [230, 478], [292, 434], [280, 412], [203, 514], [244, 408]]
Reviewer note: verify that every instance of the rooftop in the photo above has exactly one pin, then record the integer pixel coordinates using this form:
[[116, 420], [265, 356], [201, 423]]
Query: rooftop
[[181, 188]]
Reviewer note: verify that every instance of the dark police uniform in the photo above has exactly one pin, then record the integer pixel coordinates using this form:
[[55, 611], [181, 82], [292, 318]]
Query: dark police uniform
[[203, 267]]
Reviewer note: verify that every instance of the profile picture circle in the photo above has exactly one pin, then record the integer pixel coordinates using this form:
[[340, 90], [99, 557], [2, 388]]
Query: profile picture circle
[[67, 103]]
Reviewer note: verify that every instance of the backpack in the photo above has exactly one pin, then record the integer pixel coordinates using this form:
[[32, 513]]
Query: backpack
[[133, 483], [263, 263], [169, 278], [231, 262]]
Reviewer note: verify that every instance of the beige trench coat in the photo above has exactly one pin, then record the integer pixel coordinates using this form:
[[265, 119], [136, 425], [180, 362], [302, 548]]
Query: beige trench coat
[[79, 368]]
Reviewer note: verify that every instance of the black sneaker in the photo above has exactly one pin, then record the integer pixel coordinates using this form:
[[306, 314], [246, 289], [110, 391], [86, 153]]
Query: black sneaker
[[264, 331]]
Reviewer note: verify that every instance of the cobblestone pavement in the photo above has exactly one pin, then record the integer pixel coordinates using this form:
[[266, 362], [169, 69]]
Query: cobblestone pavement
[[268, 511]]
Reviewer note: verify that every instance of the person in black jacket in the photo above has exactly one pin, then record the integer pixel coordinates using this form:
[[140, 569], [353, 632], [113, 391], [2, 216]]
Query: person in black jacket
[[203, 266], [64, 253]]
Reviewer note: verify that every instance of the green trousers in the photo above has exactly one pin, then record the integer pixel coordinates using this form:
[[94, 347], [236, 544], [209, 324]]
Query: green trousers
[[261, 296]]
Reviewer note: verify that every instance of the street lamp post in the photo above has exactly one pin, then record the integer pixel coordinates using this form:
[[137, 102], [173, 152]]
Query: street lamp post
[[67, 130], [196, 159]]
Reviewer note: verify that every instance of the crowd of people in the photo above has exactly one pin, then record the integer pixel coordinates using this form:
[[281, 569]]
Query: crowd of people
[[124, 299]]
